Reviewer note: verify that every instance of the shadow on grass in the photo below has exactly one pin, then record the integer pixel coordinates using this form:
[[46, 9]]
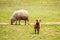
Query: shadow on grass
[[34, 33], [20, 25]]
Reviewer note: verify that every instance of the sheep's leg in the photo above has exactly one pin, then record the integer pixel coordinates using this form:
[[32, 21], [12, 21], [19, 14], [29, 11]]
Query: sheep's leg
[[28, 22], [19, 22], [25, 22], [16, 23]]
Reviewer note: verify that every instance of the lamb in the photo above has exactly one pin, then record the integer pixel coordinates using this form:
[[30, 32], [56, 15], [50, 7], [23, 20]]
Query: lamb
[[37, 26], [20, 15]]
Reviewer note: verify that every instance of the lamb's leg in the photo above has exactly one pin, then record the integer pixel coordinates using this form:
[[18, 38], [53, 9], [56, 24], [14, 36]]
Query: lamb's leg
[[35, 31], [38, 30]]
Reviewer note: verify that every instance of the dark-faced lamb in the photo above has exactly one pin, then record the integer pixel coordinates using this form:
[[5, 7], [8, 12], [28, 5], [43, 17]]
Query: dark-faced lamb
[[37, 25]]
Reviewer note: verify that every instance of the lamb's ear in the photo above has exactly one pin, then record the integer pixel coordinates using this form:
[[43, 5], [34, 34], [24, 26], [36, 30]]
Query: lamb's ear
[[40, 20], [36, 20]]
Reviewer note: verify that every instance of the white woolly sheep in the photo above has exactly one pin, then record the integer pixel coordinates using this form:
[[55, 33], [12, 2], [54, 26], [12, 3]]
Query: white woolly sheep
[[20, 15]]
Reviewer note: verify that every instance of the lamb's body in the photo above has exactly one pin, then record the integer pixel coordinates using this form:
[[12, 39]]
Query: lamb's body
[[37, 26], [19, 15]]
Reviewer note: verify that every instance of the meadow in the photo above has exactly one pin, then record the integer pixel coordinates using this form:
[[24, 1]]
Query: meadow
[[21, 32], [46, 10]]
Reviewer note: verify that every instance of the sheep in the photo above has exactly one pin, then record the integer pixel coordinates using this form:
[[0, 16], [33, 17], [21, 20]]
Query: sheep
[[20, 15], [37, 26]]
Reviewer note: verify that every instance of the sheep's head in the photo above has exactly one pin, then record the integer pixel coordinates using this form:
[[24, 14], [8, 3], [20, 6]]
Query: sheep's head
[[12, 21]]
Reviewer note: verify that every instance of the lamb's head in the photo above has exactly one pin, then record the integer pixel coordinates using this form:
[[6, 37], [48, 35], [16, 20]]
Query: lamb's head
[[37, 20]]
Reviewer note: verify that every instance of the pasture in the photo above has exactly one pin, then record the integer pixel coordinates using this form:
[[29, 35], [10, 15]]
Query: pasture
[[21, 32], [46, 10]]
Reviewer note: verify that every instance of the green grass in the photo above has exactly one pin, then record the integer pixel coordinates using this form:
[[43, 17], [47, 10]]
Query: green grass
[[46, 10], [16, 32]]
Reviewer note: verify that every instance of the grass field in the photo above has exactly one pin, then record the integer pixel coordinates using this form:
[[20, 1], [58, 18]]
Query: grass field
[[46, 10], [16, 32]]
